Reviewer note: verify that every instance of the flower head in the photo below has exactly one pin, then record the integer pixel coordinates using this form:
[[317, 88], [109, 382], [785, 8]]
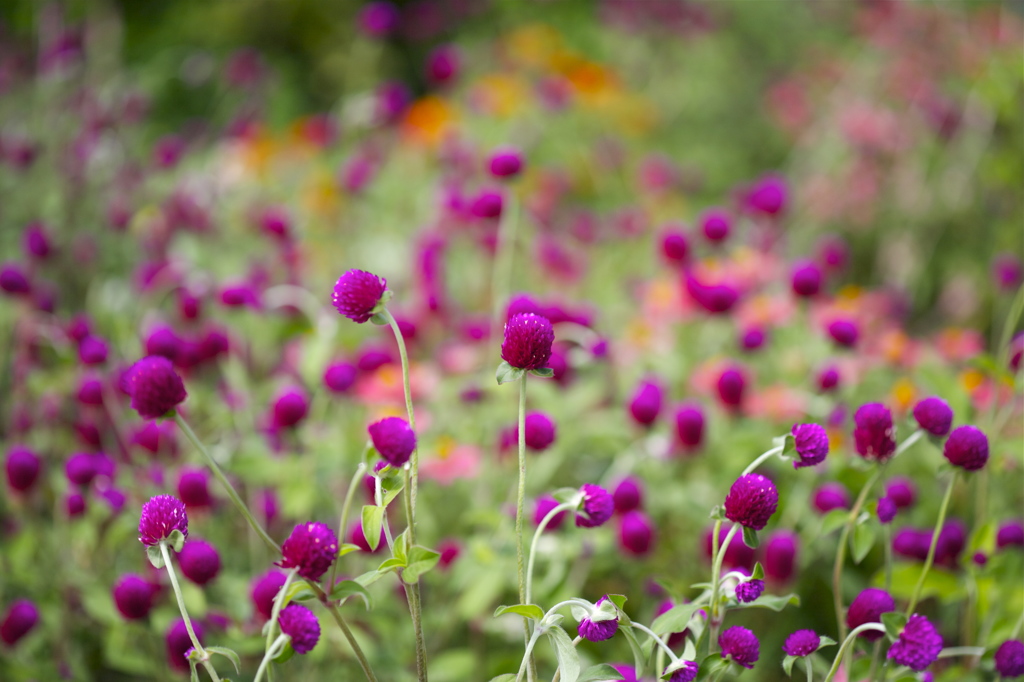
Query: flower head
[[301, 625], [688, 673], [918, 645], [161, 516], [133, 596], [339, 377], [379, 18], [505, 162], [715, 224], [811, 444], [598, 631], [540, 431], [393, 439], [357, 293], [628, 495], [646, 402], [311, 548], [290, 407], [732, 384], [178, 643], [542, 508], [199, 561], [828, 378], [902, 491], [264, 590], [1010, 534], [194, 488], [967, 448], [80, 468], [443, 64], [19, 621], [934, 416], [22, 468], [1010, 658], [741, 645], [635, 532], [154, 387], [868, 607], [596, 508], [806, 279], [690, 425], [844, 333], [780, 555], [801, 643], [528, 339], [874, 434], [749, 590], [886, 510], [751, 501], [674, 246]]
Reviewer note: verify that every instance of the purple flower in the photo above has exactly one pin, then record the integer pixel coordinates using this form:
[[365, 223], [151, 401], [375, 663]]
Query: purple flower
[[828, 378], [1010, 534], [505, 163], [600, 630], [161, 516], [635, 532], [22, 468], [487, 204], [19, 621], [540, 431], [528, 339], [178, 643], [780, 555], [299, 623], [874, 434], [753, 338], [194, 488], [37, 241], [868, 607], [393, 439], [811, 444], [378, 19], [543, 507], [688, 673], [165, 342], [912, 543], [674, 246], [340, 376], [844, 333], [768, 195], [1010, 658], [751, 501], [133, 596], [690, 425], [901, 491], [741, 645], [80, 468], [801, 643], [934, 416], [646, 402], [290, 407], [886, 510], [918, 645], [967, 448], [264, 590], [311, 548], [13, 280], [806, 279], [74, 505], [715, 224], [1007, 271], [731, 387], [596, 508], [749, 590], [443, 64], [199, 561], [714, 298], [155, 388], [357, 293], [951, 542], [628, 495], [737, 554], [93, 351]]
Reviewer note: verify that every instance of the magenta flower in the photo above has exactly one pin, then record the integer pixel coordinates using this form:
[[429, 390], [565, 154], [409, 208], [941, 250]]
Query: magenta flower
[[749, 590], [886, 510], [628, 495], [311, 548], [751, 501], [688, 673], [828, 378], [806, 279], [967, 448], [740, 645], [199, 561], [19, 621], [868, 607], [93, 350], [1010, 534], [393, 439], [767, 195], [801, 643], [901, 491], [505, 162], [154, 387], [178, 644], [716, 225], [290, 407], [161, 516], [690, 425], [194, 488], [299, 623], [811, 442], [1010, 658], [598, 631], [357, 294], [80, 468], [13, 280], [133, 596], [339, 377], [74, 505], [831, 496], [264, 590], [844, 333], [635, 533], [737, 554], [528, 340], [732, 385], [934, 416], [443, 64], [540, 431], [918, 645], [780, 552], [874, 434], [646, 403], [22, 467], [542, 508], [596, 508], [487, 204], [674, 246]]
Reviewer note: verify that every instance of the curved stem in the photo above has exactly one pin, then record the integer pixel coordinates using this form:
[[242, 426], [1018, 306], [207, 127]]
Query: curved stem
[[343, 626], [716, 582], [273, 651], [878, 627], [345, 509], [671, 656], [230, 489], [203, 656], [527, 655], [931, 548], [276, 611], [809, 668], [837, 568], [762, 458], [953, 651], [536, 538]]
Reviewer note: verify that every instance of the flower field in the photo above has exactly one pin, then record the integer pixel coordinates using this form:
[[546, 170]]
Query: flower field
[[512, 341]]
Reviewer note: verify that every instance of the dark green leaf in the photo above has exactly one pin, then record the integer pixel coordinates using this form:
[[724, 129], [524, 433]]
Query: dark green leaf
[[775, 603], [750, 537], [350, 588], [894, 622], [834, 520], [373, 519], [758, 573], [543, 372], [420, 561], [285, 654]]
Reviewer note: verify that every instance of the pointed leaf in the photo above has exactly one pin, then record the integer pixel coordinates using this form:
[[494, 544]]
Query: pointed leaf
[[568, 659], [862, 540], [506, 373], [602, 672], [285, 654], [420, 561], [155, 556], [228, 654], [787, 664], [825, 641], [373, 519], [543, 372], [531, 611], [176, 540], [750, 538], [758, 573], [674, 620], [894, 622], [775, 603], [350, 588], [834, 520], [347, 548]]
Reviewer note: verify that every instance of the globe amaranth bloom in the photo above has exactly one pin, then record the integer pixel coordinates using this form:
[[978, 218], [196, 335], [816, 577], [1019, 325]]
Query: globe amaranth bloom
[[22, 467], [154, 387], [340, 376], [751, 501], [393, 439], [737, 554], [19, 621], [715, 224], [299, 623], [194, 488], [874, 434], [690, 425], [199, 561], [868, 607], [844, 333], [902, 491], [357, 294], [811, 442], [828, 378], [886, 510], [161, 516], [801, 643], [674, 246], [741, 645], [645, 405], [732, 384], [178, 643], [542, 508], [688, 673], [528, 340], [806, 279], [934, 415], [967, 448], [780, 551], [264, 590], [753, 338], [598, 631], [290, 407], [540, 431], [918, 645], [749, 590], [133, 596], [1010, 658], [505, 162], [596, 508], [635, 532], [443, 64], [311, 548], [1010, 534], [628, 495]]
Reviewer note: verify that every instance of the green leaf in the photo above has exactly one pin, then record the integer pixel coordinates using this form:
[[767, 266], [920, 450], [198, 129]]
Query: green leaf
[[373, 519], [568, 658], [155, 556], [862, 540], [638, 653], [420, 561], [347, 548], [787, 664], [563, 495], [834, 520], [717, 513], [825, 641], [531, 611], [788, 445], [894, 622], [228, 654], [392, 563], [710, 666], [379, 320], [674, 620], [392, 488], [543, 372], [401, 549], [602, 672], [370, 577], [176, 540], [750, 538], [194, 674], [775, 603], [350, 588], [507, 677], [506, 373], [758, 573], [618, 599], [285, 654]]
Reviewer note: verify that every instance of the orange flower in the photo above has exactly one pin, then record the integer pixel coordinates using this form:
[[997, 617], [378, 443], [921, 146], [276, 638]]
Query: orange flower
[[429, 120]]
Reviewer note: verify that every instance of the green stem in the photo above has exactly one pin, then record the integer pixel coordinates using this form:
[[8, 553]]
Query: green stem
[[671, 656], [837, 569], [931, 548], [763, 457], [716, 583], [219, 475], [954, 651], [520, 500], [278, 604], [203, 656], [809, 668], [273, 651], [524, 666], [877, 627], [536, 538], [335, 612], [345, 509]]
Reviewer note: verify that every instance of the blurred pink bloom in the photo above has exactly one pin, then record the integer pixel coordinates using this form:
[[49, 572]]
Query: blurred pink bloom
[[451, 463]]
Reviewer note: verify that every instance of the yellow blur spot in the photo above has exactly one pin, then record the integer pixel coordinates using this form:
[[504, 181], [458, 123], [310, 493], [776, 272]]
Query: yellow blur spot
[[903, 393], [500, 94], [972, 379], [429, 120]]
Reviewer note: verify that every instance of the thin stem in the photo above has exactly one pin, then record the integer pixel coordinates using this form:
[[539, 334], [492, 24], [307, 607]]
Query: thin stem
[[219, 475], [954, 651], [278, 604], [343, 626], [520, 501], [877, 627], [931, 548], [524, 666], [345, 509], [762, 458], [809, 668], [536, 538], [716, 620], [273, 651], [837, 569], [203, 656], [642, 628]]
